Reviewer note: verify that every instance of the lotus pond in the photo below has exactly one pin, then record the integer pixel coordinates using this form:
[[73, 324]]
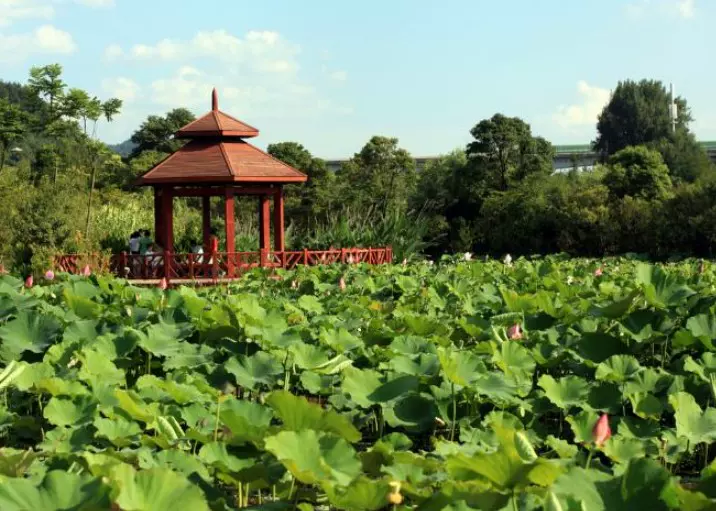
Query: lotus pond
[[454, 386]]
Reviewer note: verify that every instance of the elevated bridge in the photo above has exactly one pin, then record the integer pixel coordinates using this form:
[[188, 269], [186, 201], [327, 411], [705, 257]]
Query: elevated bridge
[[566, 157]]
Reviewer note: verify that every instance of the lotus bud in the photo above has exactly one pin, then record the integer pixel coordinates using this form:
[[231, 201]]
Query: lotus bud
[[702, 266], [601, 431], [294, 284], [342, 284], [163, 284], [49, 275], [405, 262], [395, 497], [351, 259], [430, 263], [86, 271], [598, 272], [3, 271], [28, 281], [514, 332], [439, 422], [508, 260], [467, 256], [570, 280]]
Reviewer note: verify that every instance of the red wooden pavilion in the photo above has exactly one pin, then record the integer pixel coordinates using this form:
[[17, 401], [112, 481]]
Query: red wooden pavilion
[[217, 161]]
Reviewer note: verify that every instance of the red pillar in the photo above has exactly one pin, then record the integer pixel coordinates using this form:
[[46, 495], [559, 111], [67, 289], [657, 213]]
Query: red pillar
[[264, 227], [158, 229], [206, 220], [229, 217], [167, 220], [278, 222]]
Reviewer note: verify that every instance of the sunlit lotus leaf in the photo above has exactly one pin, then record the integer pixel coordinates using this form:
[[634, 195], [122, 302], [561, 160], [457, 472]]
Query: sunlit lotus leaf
[[59, 491], [566, 392], [158, 489], [262, 368]]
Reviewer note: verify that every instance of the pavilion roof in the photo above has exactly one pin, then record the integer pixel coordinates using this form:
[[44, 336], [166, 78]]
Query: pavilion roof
[[217, 153]]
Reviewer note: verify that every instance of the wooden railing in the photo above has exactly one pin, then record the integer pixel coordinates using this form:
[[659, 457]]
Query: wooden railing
[[221, 265]]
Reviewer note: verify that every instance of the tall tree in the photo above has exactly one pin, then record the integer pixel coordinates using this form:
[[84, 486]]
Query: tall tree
[[504, 152], [46, 81], [157, 132], [13, 123], [381, 174]]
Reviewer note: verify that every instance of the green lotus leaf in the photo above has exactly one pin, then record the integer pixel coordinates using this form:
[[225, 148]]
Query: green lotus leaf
[[98, 369], [618, 368], [567, 392], [639, 324], [297, 414], [582, 425], [662, 290], [62, 411], [28, 331], [412, 411], [623, 449], [598, 347], [703, 327], [15, 462], [691, 422], [460, 367], [363, 494], [247, 421], [119, 431], [425, 364], [260, 368], [158, 489], [310, 303], [59, 491], [215, 454], [646, 405], [315, 457]]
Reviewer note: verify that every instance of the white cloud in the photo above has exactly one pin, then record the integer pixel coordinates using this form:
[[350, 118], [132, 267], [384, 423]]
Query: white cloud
[[339, 76], [672, 8], [43, 40], [113, 51], [586, 111], [12, 10], [15, 10], [686, 8], [123, 88], [263, 51], [96, 3]]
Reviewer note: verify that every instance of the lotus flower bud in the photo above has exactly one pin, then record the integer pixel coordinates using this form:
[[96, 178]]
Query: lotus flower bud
[[395, 497], [702, 266], [570, 280], [405, 262], [49, 275], [508, 260], [601, 431], [467, 256], [514, 332], [163, 284], [294, 284], [3, 271], [598, 272], [28, 281], [342, 284], [86, 271]]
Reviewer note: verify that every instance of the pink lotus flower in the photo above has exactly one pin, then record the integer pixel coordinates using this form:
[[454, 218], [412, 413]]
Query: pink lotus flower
[[28, 281], [3, 271], [598, 272], [514, 332], [601, 431], [86, 271], [163, 284], [342, 284], [49, 275]]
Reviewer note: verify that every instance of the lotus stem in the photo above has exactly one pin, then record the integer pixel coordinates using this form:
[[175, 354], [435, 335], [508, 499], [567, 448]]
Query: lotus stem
[[216, 425], [454, 413], [589, 458]]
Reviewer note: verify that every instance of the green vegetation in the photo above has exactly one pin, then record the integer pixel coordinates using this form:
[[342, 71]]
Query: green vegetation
[[459, 385], [653, 193]]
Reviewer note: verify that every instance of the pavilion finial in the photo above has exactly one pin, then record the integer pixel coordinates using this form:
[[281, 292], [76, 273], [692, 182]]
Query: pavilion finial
[[214, 100]]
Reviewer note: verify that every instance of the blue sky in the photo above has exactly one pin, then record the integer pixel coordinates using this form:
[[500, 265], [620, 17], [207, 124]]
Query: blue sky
[[331, 74]]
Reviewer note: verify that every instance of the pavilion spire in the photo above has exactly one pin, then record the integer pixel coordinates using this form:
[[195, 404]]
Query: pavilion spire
[[214, 100]]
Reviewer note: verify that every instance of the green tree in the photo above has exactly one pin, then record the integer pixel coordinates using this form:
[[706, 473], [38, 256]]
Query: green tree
[[13, 123], [157, 132], [638, 172], [382, 175], [313, 199], [46, 81], [638, 113], [505, 152]]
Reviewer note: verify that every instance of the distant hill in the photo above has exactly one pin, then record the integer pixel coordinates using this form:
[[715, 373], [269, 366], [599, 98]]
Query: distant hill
[[123, 149]]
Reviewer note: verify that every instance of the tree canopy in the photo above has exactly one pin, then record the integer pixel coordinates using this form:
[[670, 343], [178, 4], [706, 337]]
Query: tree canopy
[[157, 132]]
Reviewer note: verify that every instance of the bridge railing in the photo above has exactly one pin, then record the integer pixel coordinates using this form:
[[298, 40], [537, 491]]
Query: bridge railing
[[173, 266]]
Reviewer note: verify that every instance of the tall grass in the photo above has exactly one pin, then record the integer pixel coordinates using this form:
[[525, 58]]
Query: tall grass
[[405, 232]]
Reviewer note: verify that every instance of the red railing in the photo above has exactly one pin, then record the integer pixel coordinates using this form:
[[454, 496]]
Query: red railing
[[221, 265]]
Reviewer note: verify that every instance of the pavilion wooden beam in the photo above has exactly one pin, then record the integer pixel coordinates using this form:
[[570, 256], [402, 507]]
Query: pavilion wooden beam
[[278, 221], [221, 191], [229, 216], [206, 221]]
